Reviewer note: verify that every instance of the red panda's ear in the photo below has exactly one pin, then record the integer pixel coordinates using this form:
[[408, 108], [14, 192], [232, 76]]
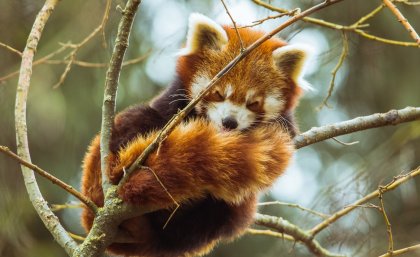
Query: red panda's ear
[[203, 33], [291, 60]]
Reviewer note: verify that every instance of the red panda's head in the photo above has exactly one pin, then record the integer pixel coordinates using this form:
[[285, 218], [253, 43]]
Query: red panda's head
[[261, 88]]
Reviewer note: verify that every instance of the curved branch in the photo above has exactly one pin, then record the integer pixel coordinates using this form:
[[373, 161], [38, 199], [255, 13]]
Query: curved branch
[[283, 226], [392, 117], [47, 216]]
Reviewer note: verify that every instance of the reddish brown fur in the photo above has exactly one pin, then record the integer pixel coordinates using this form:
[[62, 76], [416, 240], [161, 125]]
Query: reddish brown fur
[[257, 70], [214, 176]]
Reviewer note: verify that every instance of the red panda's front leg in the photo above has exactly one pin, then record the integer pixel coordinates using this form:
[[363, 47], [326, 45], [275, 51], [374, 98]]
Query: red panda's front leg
[[196, 160]]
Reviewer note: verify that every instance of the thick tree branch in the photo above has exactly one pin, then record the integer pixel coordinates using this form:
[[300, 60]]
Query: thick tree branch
[[111, 83], [283, 226], [392, 117], [47, 216], [51, 178]]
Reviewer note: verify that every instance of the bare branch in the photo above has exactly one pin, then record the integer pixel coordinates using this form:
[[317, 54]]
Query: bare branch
[[51, 178], [344, 53], [268, 232], [111, 83], [356, 27], [99, 64], [11, 49], [414, 248], [387, 223], [293, 205], [397, 181], [47, 216], [403, 20], [283, 226], [392, 117], [234, 25]]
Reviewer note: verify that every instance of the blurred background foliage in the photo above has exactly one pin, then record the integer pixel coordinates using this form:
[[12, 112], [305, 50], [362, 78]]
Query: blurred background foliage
[[325, 177]]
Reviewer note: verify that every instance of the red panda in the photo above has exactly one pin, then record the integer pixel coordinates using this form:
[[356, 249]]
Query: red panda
[[234, 144]]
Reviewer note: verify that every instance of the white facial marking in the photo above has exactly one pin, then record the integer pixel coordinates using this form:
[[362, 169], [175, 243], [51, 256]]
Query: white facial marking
[[198, 84], [219, 110], [228, 91], [250, 94], [273, 105]]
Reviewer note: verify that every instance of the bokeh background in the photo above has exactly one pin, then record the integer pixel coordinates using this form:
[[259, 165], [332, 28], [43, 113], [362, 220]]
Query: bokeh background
[[325, 177]]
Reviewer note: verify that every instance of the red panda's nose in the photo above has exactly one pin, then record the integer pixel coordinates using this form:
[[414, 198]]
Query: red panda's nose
[[229, 122]]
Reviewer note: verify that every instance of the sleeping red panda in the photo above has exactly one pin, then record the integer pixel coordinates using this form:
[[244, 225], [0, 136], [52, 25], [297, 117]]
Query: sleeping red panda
[[234, 144]]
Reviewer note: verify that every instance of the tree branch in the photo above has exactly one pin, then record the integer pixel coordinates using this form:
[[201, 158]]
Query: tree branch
[[111, 83], [283, 226], [397, 181], [47, 216], [392, 117], [51, 178], [403, 20], [356, 27], [11, 49], [414, 248]]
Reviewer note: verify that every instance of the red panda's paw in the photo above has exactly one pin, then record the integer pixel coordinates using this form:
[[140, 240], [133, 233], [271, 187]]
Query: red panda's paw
[[144, 188]]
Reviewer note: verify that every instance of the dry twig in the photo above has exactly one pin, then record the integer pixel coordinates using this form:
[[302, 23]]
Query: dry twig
[[344, 53], [234, 25], [297, 206], [11, 49], [357, 27], [51, 178], [397, 181], [283, 226], [403, 20]]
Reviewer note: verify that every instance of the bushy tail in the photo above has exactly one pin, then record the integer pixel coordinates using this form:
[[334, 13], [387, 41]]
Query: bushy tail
[[196, 160]]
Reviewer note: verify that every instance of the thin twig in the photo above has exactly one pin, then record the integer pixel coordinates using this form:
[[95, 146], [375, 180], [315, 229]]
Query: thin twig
[[344, 53], [98, 64], [414, 248], [387, 223], [297, 206], [166, 191], [41, 206], [283, 226], [234, 25], [261, 21], [59, 207], [176, 119], [104, 21], [77, 47], [13, 50], [403, 20], [51, 178], [344, 143], [330, 25], [397, 181], [392, 117], [268, 232]]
